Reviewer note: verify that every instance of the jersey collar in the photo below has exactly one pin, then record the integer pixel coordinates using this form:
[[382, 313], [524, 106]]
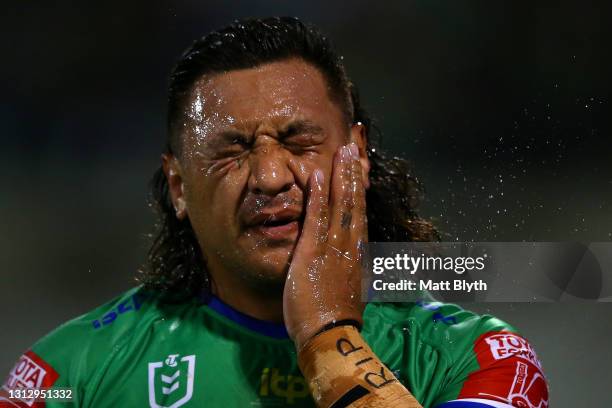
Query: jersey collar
[[270, 329]]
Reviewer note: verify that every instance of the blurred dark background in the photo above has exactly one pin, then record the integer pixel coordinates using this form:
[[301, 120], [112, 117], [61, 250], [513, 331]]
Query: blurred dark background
[[503, 107]]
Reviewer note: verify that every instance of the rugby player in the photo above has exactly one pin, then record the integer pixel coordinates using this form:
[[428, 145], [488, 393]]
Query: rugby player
[[268, 190]]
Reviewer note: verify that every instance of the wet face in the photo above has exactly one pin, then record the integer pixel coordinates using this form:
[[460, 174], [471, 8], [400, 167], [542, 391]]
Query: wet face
[[250, 140]]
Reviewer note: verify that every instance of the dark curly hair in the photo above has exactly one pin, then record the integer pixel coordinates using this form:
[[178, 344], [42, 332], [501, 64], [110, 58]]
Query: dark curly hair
[[175, 265]]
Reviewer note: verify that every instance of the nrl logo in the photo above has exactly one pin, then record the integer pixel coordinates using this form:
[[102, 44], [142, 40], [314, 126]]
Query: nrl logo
[[171, 381]]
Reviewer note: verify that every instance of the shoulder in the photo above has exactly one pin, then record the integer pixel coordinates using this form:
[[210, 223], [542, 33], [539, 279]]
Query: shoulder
[[75, 350], [108, 323], [477, 356], [424, 329], [434, 321]]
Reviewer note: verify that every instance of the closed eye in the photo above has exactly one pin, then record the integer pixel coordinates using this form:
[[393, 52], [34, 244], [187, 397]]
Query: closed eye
[[230, 143], [241, 141], [302, 134]]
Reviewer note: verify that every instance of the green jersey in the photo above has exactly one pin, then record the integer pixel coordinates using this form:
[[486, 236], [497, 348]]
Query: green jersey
[[138, 351]]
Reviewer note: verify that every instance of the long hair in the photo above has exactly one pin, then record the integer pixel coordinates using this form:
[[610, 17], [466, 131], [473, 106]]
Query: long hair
[[175, 265]]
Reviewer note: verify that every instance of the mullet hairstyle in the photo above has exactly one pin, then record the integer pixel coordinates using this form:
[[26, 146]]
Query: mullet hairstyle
[[175, 265]]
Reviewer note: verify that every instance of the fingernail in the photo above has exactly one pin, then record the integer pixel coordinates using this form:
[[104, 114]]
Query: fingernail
[[354, 151], [345, 154], [318, 176]]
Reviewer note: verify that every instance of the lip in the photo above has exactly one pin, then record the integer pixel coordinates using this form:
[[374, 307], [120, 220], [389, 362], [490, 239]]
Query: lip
[[276, 224], [272, 216], [278, 232]]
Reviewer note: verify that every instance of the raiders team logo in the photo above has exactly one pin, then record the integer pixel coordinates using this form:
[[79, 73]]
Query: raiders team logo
[[171, 381]]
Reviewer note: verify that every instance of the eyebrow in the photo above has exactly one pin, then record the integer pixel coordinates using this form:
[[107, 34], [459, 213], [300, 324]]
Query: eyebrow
[[294, 127], [300, 126]]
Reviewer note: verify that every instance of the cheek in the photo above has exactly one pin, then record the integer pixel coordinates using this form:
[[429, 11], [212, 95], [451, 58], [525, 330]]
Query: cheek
[[203, 166], [213, 198]]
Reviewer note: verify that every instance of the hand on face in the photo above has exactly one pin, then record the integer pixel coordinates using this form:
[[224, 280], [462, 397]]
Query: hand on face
[[252, 140], [323, 283]]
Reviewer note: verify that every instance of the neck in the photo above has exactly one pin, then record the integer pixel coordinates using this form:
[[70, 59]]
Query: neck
[[259, 304]]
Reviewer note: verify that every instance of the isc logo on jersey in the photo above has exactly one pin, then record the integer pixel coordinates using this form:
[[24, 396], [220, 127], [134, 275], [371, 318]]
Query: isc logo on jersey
[[30, 371], [171, 381]]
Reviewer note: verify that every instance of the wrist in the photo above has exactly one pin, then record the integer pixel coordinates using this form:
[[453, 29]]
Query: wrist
[[341, 370], [344, 322], [303, 337]]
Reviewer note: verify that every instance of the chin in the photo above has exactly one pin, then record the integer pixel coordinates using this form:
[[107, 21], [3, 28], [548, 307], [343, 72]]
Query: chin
[[275, 260], [268, 267]]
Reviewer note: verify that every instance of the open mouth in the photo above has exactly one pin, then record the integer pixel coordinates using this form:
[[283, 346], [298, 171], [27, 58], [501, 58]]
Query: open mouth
[[278, 223]]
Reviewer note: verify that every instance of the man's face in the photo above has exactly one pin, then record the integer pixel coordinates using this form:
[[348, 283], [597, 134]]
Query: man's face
[[251, 139]]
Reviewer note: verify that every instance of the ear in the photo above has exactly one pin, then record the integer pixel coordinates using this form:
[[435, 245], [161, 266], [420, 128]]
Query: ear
[[359, 136], [173, 172]]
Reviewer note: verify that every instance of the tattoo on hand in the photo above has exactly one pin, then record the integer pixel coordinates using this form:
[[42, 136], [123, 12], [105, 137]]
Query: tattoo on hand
[[345, 222]]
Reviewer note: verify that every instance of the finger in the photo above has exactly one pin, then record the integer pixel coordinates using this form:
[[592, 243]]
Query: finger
[[316, 219], [359, 226], [341, 198]]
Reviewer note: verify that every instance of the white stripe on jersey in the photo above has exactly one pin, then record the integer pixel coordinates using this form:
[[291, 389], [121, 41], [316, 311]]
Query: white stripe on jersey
[[483, 402]]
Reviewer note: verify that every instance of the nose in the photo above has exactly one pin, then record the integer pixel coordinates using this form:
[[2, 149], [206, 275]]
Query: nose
[[270, 172]]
